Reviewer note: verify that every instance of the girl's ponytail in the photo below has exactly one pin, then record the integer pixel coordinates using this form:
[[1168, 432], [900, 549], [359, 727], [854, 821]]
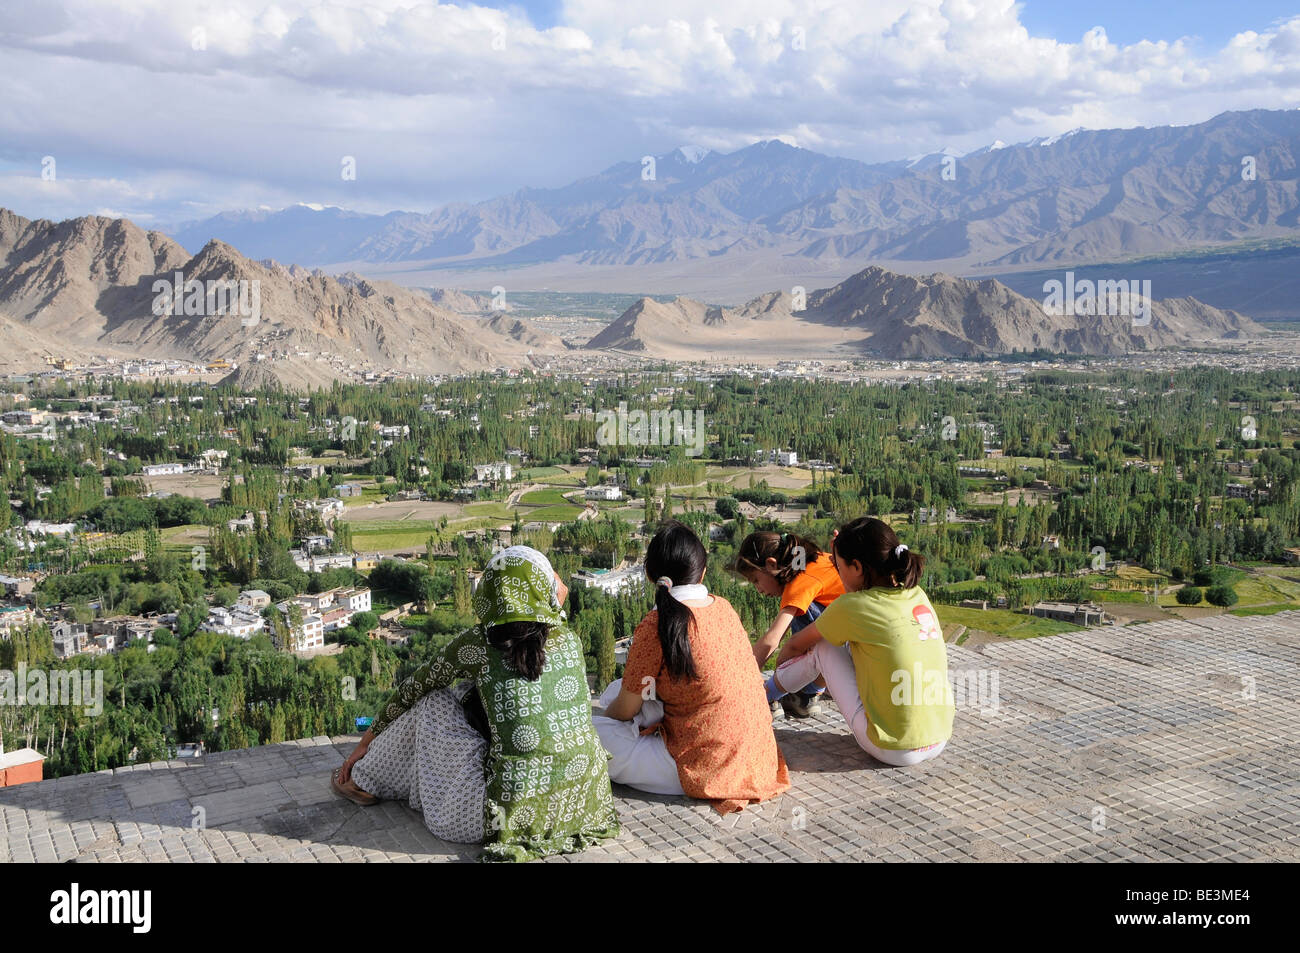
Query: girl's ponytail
[[874, 543], [675, 621], [675, 557], [792, 553], [906, 566]]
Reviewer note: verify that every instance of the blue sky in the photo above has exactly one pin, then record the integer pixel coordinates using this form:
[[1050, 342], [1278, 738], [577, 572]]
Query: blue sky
[[1125, 21], [1128, 22], [542, 13], [172, 110]]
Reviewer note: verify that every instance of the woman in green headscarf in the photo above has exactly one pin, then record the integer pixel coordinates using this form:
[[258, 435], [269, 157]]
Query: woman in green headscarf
[[532, 781]]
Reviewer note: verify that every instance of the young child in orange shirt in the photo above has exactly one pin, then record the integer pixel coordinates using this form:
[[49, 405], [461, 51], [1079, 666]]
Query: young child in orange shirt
[[795, 571]]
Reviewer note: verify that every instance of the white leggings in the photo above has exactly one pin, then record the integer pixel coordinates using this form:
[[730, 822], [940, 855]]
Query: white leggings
[[835, 664], [637, 760]]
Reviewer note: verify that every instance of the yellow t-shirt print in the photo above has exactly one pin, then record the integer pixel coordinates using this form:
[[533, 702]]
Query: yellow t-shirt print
[[929, 623]]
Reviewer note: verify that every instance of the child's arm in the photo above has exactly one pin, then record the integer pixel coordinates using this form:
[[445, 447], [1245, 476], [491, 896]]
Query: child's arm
[[770, 639], [801, 644]]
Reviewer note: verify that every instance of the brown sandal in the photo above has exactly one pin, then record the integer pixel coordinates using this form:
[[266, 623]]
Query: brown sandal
[[351, 791]]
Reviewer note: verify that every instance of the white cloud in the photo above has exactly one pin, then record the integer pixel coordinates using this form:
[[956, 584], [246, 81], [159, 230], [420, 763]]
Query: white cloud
[[174, 109]]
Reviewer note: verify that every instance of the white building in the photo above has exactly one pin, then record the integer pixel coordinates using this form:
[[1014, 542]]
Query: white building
[[325, 506], [242, 525], [254, 599], [609, 581], [69, 638], [311, 634], [787, 458], [42, 528], [355, 600], [494, 472], [163, 469], [241, 621], [315, 544], [605, 491], [23, 418], [931, 514], [15, 617], [319, 562], [16, 587]]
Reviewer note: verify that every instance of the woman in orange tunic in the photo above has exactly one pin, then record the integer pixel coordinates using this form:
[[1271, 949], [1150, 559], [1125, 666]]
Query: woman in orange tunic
[[691, 665]]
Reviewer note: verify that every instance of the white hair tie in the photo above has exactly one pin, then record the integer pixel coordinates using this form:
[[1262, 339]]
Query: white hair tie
[[899, 550], [664, 581]]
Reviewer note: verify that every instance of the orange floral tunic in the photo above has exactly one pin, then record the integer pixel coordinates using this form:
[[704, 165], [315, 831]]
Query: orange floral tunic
[[717, 727]]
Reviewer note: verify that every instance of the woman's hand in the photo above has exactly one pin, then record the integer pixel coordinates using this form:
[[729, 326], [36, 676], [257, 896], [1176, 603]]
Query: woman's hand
[[357, 754]]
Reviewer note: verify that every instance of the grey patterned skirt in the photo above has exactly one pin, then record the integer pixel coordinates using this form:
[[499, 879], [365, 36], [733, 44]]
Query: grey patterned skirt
[[432, 758]]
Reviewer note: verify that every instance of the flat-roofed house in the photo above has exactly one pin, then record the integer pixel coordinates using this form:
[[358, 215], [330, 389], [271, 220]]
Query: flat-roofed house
[[24, 766]]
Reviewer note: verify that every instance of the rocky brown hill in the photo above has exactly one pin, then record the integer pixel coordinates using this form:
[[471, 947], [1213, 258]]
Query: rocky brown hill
[[103, 286], [892, 315]]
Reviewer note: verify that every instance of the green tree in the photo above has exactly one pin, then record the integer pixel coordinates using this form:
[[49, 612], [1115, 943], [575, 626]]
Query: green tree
[[1221, 596]]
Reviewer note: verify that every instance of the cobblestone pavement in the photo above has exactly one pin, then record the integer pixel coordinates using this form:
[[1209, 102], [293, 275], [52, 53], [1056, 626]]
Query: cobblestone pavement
[[1169, 740]]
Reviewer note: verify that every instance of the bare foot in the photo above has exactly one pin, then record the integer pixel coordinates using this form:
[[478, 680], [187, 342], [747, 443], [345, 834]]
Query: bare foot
[[348, 789]]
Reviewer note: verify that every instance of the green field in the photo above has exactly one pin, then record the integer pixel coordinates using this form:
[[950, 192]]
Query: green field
[[1003, 622], [384, 541], [1265, 585], [543, 498], [379, 535], [369, 494], [534, 473], [550, 514], [1013, 464], [1264, 610], [491, 509], [183, 537], [740, 476], [1128, 598]]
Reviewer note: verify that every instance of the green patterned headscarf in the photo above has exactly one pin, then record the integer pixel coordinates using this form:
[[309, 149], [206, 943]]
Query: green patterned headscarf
[[518, 585]]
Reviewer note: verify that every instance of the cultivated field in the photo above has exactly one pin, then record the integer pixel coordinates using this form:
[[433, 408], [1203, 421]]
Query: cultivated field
[[402, 510], [203, 486]]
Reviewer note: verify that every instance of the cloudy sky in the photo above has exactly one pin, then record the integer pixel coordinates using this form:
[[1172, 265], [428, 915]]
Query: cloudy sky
[[170, 110]]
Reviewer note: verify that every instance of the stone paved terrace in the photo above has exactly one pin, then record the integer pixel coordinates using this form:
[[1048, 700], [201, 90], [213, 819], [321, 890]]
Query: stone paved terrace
[[1164, 741]]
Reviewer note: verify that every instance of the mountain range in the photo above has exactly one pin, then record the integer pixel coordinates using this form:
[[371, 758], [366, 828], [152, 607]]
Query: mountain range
[[885, 314], [1086, 196], [97, 287]]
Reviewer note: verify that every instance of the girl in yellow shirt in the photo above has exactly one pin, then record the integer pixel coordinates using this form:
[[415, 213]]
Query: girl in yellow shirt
[[880, 649]]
